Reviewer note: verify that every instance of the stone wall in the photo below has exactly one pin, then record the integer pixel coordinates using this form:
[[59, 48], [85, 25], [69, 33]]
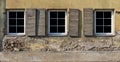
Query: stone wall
[[61, 44], [2, 20], [21, 43]]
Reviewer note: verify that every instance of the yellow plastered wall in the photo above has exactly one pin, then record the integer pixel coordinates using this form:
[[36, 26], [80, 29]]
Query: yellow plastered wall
[[62, 3], [65, 4]]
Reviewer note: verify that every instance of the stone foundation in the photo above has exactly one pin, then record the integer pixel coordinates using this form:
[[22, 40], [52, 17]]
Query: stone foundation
[[57, 44]]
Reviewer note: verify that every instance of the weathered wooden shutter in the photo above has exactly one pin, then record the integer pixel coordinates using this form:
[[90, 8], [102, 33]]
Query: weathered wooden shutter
[[41, 22], [74, 15], [88, 21], [30, 22]]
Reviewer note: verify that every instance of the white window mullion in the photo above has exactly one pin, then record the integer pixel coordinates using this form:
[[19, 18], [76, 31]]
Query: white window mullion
[[49, 22], [8, 22]]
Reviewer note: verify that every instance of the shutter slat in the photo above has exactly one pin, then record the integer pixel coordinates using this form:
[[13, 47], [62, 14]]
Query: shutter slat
[[30, 22], [41, 22], [88, 21], [74, 22]]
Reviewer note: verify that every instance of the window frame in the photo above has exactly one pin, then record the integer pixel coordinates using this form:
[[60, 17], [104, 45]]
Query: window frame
[[112, 23], [57, 34], [15, 34]]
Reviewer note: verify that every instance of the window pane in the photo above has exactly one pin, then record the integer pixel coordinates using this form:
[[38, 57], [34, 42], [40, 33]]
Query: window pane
[[53, 29], [107, 29], [61, 29], [57, 22], [61, 14], [99, 29], [53, 21], [12, 29], [20, 21], [20, 14], [53, 14], [12, 21], [99, 14], [99, 21], [20, 29], [107, 21], [12, 14], [61, 21], [107, 14]]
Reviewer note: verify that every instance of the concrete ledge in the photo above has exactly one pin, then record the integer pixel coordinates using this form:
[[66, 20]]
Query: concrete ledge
[[84, 56]]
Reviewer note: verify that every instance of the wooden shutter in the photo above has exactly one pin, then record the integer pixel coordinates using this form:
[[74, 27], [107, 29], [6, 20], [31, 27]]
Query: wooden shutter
[[88, 21], [41, 22], [74, 22], [30, 22]]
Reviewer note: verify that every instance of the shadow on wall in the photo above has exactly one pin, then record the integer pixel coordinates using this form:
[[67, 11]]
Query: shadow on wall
[[1, 45]]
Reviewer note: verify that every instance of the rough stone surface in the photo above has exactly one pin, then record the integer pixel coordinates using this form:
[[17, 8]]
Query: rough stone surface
[[14, 44], [57, 44]]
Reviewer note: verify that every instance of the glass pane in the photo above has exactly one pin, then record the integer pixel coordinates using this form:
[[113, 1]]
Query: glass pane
[[61, 21], [99, 21], [61, 14], [61, 29], [53, 29], [20, 21], [53, 14], [53, 21], [107, 21], [20, 29], [12, 14], [99, 14], [99, 29], [12, 21], [107, 29], [12, 29], [107, 14], [20, 14]]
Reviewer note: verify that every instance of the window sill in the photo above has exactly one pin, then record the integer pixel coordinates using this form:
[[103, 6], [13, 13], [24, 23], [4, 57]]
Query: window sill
[[57, 35], [14, 35], [105, 35]]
